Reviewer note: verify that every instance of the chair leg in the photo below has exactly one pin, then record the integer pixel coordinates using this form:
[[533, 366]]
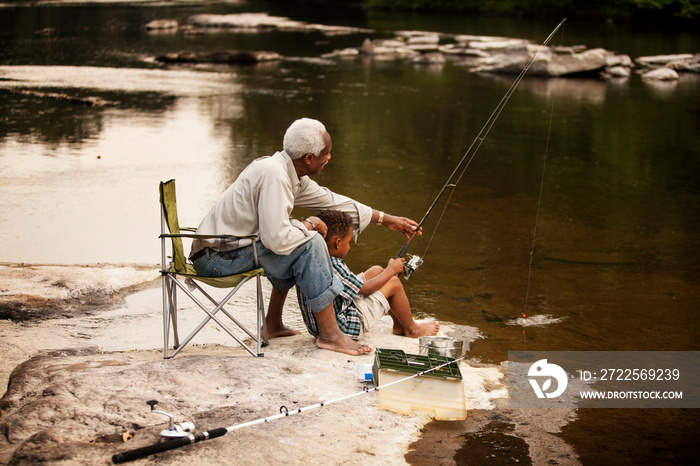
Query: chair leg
[[173, 316], [166, 314], [261, 316], [211, 315], [169, 314]]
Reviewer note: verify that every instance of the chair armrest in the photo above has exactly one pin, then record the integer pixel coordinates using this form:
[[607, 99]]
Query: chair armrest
[[195, 236]]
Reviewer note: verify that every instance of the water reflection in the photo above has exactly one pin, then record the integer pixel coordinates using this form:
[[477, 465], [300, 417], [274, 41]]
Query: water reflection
[[584, 91], [92, 172], [187, 83], [662, 90]]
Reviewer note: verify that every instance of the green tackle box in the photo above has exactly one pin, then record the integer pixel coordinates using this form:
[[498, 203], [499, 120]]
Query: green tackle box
[[440, 390]]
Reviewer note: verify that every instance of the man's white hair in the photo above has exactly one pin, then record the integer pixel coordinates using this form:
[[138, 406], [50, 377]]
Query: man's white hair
[[304, 136]]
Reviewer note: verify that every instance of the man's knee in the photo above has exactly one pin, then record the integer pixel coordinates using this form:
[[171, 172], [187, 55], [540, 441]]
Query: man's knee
[[317, 242]]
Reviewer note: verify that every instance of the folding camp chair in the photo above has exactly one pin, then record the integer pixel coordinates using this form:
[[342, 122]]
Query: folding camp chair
[[179, 269]]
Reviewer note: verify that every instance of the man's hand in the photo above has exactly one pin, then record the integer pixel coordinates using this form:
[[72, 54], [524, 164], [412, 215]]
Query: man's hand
[[402, 224], [316, 224]]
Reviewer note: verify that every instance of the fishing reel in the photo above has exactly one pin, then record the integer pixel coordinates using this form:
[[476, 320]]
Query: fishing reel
[[411, 265], [181, 429]]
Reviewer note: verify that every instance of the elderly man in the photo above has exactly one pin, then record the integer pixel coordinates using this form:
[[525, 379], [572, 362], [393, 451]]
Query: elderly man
[[291, 252]]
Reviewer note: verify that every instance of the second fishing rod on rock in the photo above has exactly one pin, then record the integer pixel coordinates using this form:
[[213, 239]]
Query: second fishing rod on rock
[[415, 261]]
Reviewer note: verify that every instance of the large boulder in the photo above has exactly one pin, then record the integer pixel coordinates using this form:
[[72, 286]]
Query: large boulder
[[546, 63], [387, 48], [162, 25], [588, 61], [661, 74]]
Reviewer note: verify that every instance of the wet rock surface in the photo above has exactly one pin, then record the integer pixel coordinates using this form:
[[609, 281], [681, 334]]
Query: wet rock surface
[[79, 406], [40, 292]]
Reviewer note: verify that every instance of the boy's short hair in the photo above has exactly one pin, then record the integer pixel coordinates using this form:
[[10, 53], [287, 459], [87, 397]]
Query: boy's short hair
[[338, 223]]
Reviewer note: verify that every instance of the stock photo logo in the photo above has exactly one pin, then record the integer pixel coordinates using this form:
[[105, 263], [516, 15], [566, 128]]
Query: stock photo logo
[[546, 372], [603, 379]]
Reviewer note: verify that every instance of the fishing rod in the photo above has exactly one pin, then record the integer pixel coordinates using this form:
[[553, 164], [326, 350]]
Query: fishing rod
[[189, 438], [415, 261]]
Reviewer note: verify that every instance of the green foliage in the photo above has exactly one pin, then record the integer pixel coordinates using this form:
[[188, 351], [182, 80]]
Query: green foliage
[[685, 9]]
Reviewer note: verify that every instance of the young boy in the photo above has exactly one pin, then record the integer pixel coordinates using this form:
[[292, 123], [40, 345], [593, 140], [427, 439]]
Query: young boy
[[368, 296]]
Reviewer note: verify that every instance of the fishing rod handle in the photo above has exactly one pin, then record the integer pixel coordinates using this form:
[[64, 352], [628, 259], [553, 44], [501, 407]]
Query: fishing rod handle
[[165, 446], [403, 250]]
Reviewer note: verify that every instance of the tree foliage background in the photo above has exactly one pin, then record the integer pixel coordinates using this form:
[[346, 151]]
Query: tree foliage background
[[629, 9]]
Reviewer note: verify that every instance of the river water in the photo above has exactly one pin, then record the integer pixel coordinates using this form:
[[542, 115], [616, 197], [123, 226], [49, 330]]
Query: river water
[[598, 180]]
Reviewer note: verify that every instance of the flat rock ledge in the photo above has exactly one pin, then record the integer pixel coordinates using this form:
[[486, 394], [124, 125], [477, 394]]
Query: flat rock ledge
[[224, 57], [81, 406], [36, 292], [244, 22]]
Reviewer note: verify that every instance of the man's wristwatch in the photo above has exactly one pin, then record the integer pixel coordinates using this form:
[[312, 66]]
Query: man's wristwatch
[[380, 220], [313, 225]]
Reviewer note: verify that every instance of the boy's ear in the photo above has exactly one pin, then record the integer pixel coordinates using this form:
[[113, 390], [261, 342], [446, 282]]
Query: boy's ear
[[333, 242]]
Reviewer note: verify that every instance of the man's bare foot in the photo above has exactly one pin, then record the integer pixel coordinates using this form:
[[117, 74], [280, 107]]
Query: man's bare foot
[[343, 344], [422, 330], [282, 331]]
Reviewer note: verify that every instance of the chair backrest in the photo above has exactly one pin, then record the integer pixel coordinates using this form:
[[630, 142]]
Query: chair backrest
[[168, 202]]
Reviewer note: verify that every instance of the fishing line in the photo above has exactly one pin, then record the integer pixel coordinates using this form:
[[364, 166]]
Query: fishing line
[[476, 144], [539, 198], [284, 412], [539, 203]]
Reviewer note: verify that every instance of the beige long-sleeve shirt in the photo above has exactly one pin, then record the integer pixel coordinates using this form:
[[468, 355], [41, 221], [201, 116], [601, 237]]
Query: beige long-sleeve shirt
[[260, 203]]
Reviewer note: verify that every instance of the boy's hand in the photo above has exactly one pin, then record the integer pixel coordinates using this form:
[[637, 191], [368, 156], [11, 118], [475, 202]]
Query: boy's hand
[[396, 265]]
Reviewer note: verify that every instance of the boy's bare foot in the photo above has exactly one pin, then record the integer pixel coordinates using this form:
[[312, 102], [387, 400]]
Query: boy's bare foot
[[422, 330], [282, 331], [343, 344]]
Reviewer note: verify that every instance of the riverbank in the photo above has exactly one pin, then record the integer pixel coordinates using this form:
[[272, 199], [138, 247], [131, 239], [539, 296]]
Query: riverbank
[[79, 378]]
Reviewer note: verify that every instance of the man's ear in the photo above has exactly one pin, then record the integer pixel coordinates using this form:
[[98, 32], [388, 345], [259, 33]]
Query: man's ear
[[308, 158]]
